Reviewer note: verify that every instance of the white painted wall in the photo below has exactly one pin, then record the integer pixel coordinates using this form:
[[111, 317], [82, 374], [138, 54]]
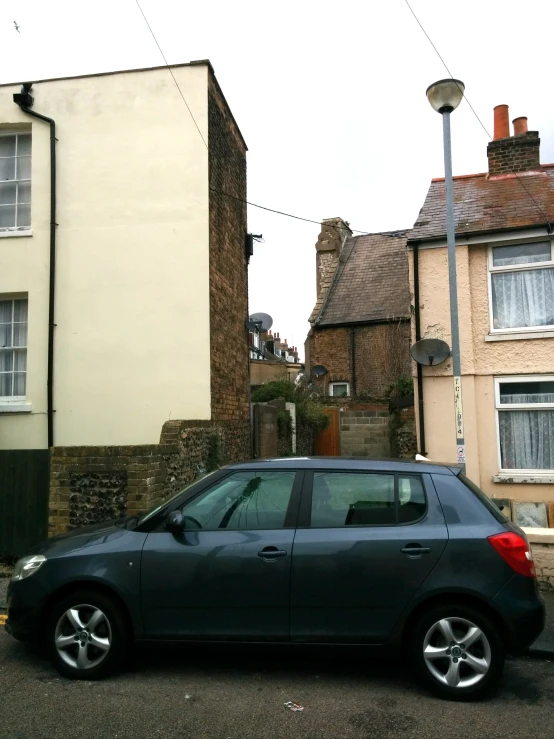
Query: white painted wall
[[132, 344]]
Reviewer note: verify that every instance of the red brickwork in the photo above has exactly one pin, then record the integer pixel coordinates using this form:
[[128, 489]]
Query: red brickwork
[[381, 356]]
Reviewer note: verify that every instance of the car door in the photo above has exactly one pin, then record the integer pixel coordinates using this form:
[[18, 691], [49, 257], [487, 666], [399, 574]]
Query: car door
[[365, 543], [227, 574]]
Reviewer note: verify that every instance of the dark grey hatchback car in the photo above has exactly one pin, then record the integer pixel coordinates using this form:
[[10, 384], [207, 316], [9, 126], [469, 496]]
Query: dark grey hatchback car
[[412, 556]]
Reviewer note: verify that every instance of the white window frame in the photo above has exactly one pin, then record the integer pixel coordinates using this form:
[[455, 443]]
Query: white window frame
[[517, 472], [8, 402], [19, 230], [339, 382], [491, 269]]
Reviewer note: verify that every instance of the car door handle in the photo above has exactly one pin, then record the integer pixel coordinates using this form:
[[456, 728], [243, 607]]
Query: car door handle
[[415, 550], [271, 553]]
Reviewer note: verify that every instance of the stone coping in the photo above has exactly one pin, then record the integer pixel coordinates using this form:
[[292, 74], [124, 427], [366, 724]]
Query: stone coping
[[538, 535]]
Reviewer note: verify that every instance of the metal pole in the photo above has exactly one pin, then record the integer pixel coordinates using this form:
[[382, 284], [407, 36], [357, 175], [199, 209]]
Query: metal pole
[[453, 288]]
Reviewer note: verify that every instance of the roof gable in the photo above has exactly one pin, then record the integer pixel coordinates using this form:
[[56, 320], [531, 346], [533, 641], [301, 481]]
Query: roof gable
[[370, 282]]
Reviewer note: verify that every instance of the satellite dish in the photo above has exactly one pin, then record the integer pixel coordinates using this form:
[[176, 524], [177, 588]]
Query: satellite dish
[[263, 321], [319, 370], [430, 351], [251, 326]]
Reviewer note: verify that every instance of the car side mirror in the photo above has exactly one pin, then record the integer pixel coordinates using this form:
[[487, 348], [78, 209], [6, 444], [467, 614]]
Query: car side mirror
[[175, 522]]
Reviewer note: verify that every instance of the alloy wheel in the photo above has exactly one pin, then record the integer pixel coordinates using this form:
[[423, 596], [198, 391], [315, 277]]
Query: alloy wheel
[[83, 636], [456, 652]]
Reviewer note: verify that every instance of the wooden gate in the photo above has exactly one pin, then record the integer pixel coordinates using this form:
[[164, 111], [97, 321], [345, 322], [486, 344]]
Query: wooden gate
[[327, 443], [24, 483]]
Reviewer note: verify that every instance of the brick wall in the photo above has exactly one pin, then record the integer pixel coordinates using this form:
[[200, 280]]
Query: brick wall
[[228, 265], [514, 154], [93, 484], [381, 356], [78, 475], [543, 554]]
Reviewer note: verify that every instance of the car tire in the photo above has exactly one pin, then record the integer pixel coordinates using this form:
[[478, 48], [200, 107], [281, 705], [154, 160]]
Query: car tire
[[87, 637], [458, 652]]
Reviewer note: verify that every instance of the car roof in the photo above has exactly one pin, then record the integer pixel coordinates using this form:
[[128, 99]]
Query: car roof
[[346, 464]]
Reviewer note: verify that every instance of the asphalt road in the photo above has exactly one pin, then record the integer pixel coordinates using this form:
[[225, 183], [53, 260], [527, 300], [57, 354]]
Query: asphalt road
[[200, 694]]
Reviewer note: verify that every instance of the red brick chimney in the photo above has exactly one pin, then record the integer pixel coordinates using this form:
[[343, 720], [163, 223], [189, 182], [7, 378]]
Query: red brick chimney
[[512, 154]]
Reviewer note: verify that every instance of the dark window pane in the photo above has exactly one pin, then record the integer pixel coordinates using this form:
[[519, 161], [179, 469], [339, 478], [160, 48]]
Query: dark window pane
[[23, 144], [6, 384], [23, 168], [7, 169], [7, 216], [340, 390], [521, 254], [7, 146], [245, 500], [411, 499], [23, 215], [7, 193], [526, 392], [352, 499]]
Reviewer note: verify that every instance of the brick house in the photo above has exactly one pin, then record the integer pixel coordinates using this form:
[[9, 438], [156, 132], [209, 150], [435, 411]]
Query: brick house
[[505, 269], [360, 325], [142, 281], [271, 358]]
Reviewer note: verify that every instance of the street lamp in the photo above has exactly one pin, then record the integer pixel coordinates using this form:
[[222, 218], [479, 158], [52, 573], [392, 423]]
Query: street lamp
[[445, 96]]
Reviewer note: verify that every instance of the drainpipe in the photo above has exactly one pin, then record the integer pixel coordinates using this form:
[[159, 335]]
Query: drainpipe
[[419, 367], [353, 359], [25, 101]]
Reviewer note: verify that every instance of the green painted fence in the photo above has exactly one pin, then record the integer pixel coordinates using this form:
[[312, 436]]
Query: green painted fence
[[23, 499]]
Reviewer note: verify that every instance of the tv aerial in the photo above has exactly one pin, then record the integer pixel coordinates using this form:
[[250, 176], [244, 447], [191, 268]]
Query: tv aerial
[[259, 322], [430, 351], [319, 370]]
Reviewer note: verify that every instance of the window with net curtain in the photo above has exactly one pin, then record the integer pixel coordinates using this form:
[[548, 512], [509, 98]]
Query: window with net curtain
[[13, 348], [15, 181], [522, 291], [526, 424]]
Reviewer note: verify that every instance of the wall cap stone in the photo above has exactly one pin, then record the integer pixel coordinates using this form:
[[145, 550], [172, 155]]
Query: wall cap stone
[[539, 535]]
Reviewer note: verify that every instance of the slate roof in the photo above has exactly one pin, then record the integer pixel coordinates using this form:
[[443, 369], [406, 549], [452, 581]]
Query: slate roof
[[370, 282], [483, 203]]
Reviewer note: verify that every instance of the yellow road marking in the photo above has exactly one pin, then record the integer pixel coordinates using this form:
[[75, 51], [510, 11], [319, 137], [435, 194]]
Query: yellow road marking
[[3, 619]]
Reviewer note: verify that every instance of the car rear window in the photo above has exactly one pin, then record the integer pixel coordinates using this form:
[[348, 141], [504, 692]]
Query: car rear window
[[483, 497]]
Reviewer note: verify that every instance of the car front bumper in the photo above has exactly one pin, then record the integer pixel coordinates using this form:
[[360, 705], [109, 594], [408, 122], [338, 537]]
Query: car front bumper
[[26, 600]]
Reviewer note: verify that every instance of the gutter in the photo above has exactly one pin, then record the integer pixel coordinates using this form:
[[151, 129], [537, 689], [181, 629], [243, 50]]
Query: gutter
[[25, 100], [421, 414]]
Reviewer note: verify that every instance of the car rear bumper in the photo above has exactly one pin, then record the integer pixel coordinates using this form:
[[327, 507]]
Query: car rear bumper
[[523, 612]]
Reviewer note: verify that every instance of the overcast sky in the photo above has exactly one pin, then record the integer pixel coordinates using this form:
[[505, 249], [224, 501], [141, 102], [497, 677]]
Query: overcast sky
[[329, 96]]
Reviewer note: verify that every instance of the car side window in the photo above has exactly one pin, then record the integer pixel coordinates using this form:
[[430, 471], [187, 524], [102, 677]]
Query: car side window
[[352, 499], [365, 499], [243, 500], [411, 499]]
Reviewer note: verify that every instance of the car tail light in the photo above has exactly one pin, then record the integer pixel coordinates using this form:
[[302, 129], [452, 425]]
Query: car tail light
[[515, 551]]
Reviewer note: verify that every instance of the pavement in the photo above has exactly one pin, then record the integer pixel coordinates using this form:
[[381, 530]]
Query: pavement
[[186, 693]]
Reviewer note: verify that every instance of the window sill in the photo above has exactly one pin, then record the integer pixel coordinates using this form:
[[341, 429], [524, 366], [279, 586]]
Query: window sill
[[7, 407], [517, 477], [544, 334], [9, 234]]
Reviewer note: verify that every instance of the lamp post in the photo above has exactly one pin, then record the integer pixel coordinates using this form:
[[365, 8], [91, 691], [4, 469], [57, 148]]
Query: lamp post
[[445, 96]]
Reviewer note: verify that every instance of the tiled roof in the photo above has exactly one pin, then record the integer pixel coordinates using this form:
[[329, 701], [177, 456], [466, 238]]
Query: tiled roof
[[488, 204], [370, 282]]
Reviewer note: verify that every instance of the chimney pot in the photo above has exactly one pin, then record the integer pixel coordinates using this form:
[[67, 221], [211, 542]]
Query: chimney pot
[[520, 125], [501, 122]]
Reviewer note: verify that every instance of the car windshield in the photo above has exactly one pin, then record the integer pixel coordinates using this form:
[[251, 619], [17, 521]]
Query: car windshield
[[150, 514]]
